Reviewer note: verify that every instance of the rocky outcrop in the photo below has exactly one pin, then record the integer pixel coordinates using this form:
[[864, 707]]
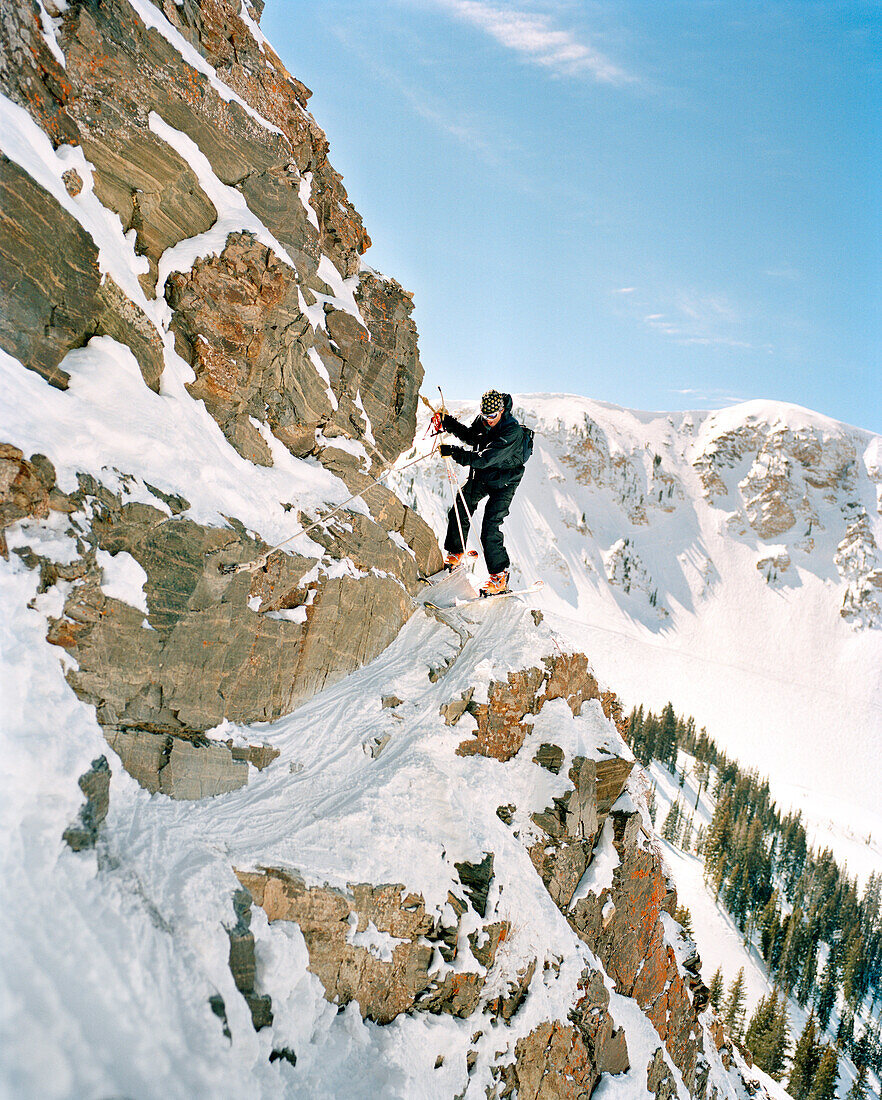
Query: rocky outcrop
[[637, 481], [24, 488], [623, 923], [567, 1059], [860, 566], [787, 468], [377, 945], [242, 316], [55, 298], [501, 726], [625, 570], [208, 647], [95, 785], [622, 915]]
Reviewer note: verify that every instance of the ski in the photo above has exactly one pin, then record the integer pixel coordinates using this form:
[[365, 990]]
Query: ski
[[468, 561], [536, 586]]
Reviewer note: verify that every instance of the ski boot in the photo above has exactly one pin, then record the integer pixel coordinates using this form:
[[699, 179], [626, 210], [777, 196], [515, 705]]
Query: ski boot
[[452, 561], [496, 584]]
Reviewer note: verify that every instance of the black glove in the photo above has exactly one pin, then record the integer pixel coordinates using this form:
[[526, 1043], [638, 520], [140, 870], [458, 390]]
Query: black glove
[[448, 422], [456, 453]]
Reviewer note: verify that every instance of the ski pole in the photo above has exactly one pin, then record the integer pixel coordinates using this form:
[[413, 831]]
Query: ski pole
[[451, 477]]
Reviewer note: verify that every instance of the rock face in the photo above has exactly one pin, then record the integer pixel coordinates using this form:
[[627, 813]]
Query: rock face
[[252, 356], [376, 945], [207, 649], [622, 921], [567, 1060], [24, 491], [637, 481], [290, 339]]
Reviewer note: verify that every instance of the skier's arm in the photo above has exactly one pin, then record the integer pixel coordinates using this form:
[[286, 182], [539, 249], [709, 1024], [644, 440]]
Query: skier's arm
[[502, 453], [461, 431]]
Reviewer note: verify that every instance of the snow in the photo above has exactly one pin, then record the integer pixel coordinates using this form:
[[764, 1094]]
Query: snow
[[233, 212], [109, 420], [152, 922], [49, 31], [123, 578], [380, 944], [368, 430], [253, 26], [152, 17], [599, 873], [109, 956], [304, 192], [316, 361], [343, 290]]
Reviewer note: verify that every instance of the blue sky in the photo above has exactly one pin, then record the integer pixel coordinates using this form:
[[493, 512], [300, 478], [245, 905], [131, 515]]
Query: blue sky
[[664, 205]]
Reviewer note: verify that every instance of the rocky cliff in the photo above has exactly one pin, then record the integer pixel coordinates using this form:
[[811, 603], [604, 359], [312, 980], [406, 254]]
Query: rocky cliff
[[165, 187], [273, 827]]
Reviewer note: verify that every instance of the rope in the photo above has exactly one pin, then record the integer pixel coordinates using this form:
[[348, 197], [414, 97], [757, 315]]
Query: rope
[[259, 563]]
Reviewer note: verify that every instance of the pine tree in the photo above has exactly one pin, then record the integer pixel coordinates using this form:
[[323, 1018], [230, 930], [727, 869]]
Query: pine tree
[[666, 740], [858, 1090], [671, 827], [809, 966], [792, 952], [768, 925], [702, 773], [768, 1035], [716, 989], [779, 1041], [845, 1031], [806, 1057], [734, 1018], [827, 993], [852, 970], [684, 918], [824, 1084], [760, 1027]]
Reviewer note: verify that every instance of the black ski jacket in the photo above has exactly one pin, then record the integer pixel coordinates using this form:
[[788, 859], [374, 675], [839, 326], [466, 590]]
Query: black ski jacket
[[497, 461]]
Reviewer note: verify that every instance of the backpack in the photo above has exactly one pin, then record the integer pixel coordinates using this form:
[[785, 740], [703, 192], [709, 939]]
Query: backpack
[[527, 442]]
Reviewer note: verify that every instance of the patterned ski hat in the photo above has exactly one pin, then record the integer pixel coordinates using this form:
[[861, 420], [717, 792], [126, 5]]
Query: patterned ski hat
[[491, 404]]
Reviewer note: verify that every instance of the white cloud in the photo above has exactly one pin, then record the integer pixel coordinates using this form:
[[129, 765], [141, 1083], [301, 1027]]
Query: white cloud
[[710, 398], [427, 106], [693, 319], [534, 37], [625, 290]]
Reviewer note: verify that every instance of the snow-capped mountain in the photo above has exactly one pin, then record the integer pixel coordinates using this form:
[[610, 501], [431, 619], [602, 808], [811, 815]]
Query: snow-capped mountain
[[728, 561]]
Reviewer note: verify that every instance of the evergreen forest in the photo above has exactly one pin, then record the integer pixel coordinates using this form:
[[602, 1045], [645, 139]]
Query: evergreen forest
[[819, 936]]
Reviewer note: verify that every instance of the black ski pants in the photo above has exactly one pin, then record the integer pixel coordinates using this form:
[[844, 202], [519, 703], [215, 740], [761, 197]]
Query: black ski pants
[[498, 504]]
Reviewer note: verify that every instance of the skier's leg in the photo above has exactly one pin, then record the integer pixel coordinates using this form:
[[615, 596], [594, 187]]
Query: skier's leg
[[466, 502], [491, 534]]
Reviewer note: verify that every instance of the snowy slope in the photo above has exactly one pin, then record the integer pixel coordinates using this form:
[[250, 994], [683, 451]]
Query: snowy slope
[[676, 595], [119, 951]]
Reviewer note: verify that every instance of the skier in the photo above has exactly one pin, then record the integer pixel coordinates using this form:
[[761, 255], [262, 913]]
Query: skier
[[501, 446]]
